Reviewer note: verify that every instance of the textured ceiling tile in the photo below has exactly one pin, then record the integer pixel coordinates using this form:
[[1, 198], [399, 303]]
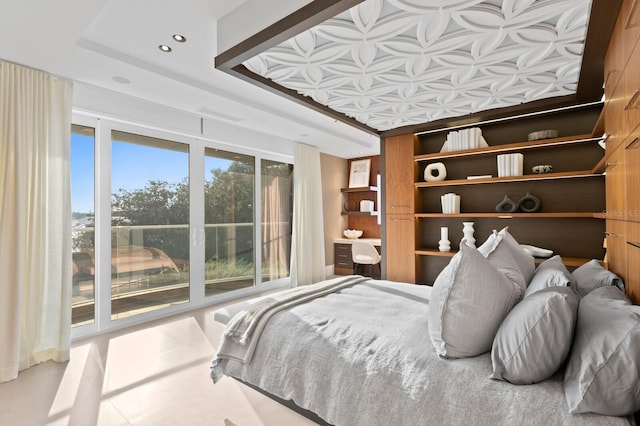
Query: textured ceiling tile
[[390, 63]]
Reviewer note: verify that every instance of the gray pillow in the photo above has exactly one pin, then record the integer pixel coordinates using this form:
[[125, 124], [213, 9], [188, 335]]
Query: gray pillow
[[603, 372], [499, 250], [469, 300], [535, 338], [525, 261], [592, 275], [550, 273]]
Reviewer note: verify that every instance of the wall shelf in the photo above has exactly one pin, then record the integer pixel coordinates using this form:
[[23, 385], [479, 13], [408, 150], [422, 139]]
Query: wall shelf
[[356, 213], [505, 148], [568, 215], [569, 261], [525, 178], [361, 189]]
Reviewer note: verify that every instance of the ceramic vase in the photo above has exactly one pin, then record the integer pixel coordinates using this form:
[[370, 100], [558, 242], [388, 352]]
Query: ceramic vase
[[467, 231], [444, 244]]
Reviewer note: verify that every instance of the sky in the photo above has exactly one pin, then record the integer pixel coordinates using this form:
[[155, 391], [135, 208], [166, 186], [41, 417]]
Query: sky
[[132, 167]]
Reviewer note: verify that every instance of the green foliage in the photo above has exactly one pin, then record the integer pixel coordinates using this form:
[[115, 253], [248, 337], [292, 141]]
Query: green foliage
[[229, 196]]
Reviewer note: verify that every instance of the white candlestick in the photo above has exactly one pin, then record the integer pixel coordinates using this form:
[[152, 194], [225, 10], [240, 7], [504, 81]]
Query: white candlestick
[[444, 233]]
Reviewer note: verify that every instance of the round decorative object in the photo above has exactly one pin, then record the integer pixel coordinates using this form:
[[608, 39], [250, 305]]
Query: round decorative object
[[543, 134], [507, 205], [435, 172], [542, 168], [529, 203], [351, 206]]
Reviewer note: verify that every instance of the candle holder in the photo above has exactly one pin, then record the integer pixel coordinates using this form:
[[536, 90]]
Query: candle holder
[[444, 244]]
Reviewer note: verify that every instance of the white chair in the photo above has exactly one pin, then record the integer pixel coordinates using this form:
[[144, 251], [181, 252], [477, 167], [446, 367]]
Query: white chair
[[364, 253]]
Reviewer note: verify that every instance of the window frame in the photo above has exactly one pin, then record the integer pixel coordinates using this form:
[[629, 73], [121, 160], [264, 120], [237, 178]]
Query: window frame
[[102, 192]]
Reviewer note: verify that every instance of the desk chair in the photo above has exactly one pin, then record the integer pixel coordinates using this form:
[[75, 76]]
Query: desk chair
[[365, 253]]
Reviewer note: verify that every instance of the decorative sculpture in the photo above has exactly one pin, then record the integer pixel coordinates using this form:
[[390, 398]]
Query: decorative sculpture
[[507, 205], [439, 168], [529, 203]]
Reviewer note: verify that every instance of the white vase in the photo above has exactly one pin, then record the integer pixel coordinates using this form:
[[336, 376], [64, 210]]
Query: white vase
[[467, 231], [444, 244]]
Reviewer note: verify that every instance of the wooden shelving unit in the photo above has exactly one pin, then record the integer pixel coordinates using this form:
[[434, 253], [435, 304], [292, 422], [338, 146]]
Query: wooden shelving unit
[[360, 190], [573, 207]]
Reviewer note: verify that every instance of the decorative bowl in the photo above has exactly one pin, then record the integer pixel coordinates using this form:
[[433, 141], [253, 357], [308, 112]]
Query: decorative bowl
[[352, 233], [543, 134]]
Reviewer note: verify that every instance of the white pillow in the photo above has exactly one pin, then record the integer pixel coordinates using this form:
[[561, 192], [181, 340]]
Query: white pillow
[[550, 273], [535, 338], [508, 257], [603, 372], [469, 300]]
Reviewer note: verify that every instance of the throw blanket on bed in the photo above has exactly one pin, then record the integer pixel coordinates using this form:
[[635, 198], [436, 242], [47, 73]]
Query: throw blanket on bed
[[243, 331], [363, 357]]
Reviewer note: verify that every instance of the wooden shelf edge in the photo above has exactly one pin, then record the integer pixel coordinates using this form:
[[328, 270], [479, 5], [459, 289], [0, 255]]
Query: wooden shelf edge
[[508, 147], [598, 128], [346, 213], [600, 166], [560, 215], [524, 178], [360, 189], [568, 261]]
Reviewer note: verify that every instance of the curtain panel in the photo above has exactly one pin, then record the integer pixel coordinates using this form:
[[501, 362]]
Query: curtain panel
[[307, 246], [35, 218]]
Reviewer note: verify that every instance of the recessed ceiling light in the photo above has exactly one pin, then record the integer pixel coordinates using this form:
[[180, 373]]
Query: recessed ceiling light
[[164, 48], [179, 38], [120, 79]]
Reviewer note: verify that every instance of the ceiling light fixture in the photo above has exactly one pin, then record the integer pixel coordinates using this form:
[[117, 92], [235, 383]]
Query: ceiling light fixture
[[179, 38], [164, 48]]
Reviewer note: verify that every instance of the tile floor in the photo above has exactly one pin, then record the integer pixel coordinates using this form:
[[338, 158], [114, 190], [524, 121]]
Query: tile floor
[[153, 374]]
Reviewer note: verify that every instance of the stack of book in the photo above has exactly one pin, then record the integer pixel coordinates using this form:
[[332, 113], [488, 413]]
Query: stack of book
[[510, 165], [460, 140]]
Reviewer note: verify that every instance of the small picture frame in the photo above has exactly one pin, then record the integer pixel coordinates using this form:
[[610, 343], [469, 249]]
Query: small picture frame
[[359, 174]]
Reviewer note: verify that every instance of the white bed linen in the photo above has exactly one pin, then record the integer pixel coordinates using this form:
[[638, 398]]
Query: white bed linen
[[363, 356]]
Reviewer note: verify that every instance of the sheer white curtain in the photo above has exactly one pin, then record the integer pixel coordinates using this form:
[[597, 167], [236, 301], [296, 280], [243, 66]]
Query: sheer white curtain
[[307, 246], [35, 219]]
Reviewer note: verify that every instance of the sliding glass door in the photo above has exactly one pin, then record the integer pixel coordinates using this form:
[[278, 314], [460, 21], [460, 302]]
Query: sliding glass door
[[164, 224], [229, 221], [149, 224]]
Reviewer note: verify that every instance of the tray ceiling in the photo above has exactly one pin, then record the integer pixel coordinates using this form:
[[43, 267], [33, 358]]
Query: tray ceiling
[[394, 63]]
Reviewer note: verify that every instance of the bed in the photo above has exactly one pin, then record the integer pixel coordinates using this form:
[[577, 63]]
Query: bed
[[362, 355]]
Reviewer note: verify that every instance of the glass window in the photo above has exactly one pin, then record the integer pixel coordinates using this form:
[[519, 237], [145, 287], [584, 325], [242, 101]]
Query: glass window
[[276, 212], [82, 226], [229, 221], [149, 224]]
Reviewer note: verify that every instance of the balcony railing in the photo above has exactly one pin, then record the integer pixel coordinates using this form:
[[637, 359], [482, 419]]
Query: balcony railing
[[150, 265]]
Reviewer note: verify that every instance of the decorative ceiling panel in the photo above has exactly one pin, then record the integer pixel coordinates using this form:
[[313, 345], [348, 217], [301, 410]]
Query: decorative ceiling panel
[[391, 63]]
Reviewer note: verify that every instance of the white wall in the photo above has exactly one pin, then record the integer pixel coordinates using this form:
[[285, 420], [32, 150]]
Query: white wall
[[106, 103], [334, 177]]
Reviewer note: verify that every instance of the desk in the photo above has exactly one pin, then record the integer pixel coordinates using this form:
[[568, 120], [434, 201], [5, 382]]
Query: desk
[[375, 241], [342, 253]]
